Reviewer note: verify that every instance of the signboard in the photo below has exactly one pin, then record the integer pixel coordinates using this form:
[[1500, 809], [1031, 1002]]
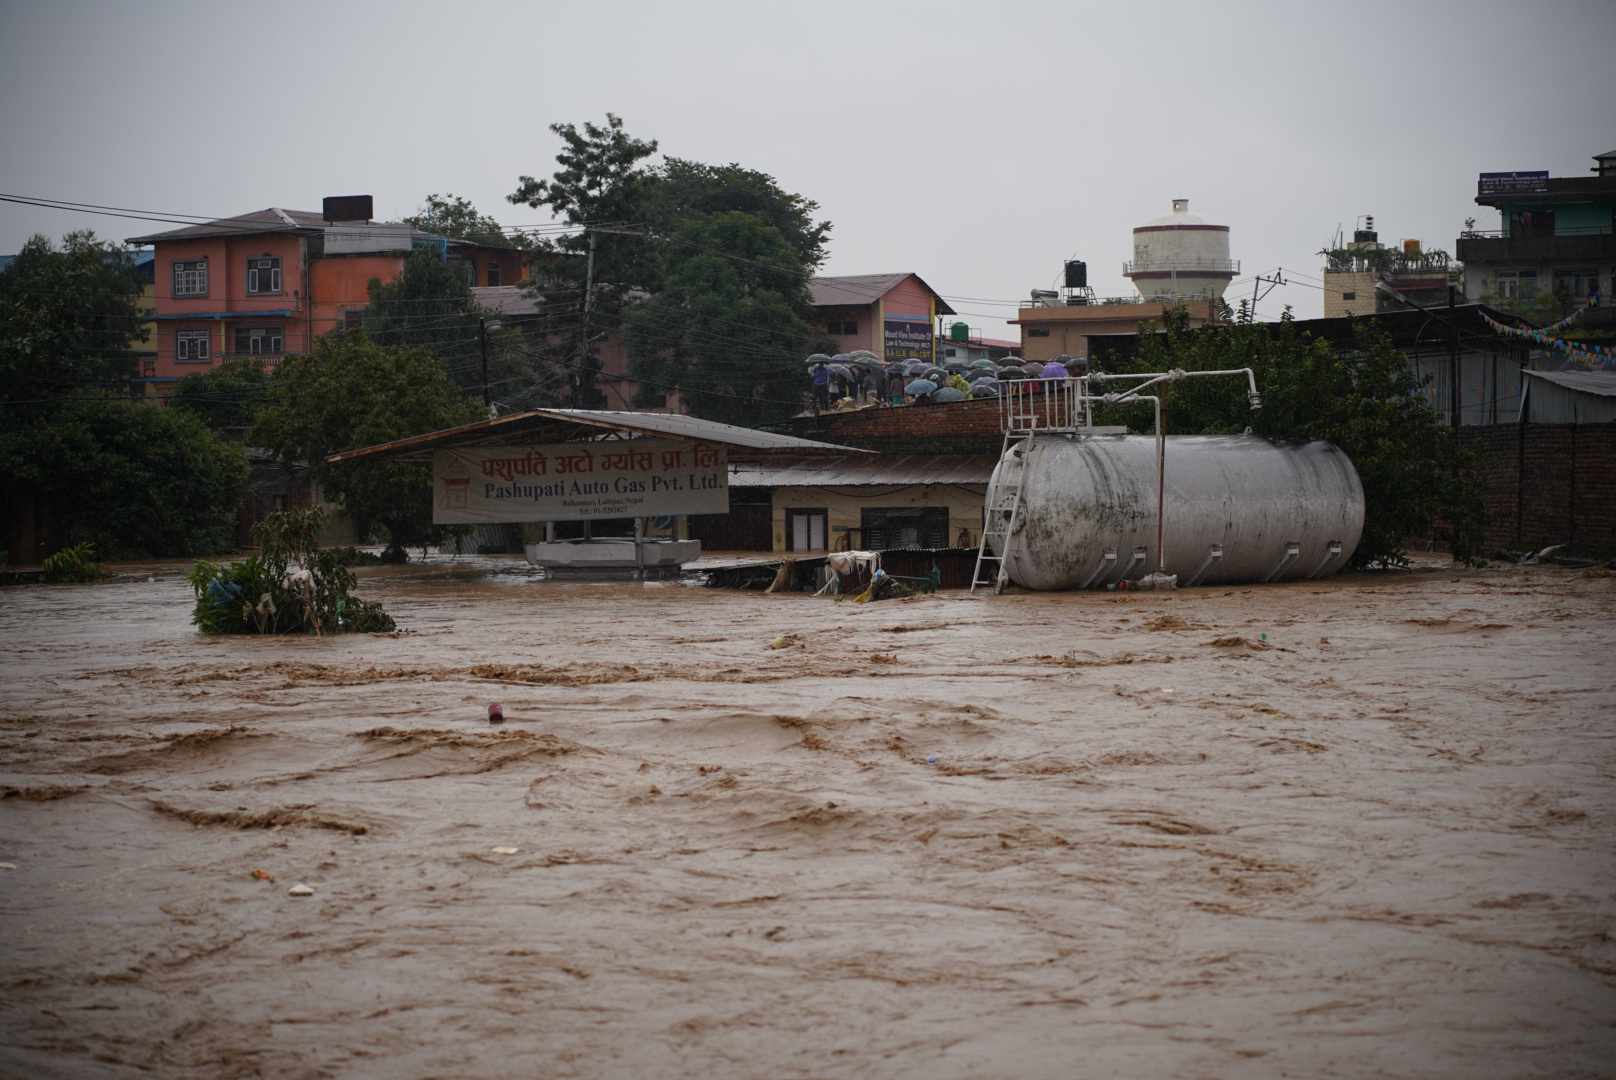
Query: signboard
[[1512, 183], [486, 485], [908, 335]]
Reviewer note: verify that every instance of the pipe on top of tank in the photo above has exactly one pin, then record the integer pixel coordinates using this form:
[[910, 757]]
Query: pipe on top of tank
[[1153, 377]]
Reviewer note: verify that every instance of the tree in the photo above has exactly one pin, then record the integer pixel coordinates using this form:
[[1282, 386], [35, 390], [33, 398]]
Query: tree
[[1362, 397], [430, 306], [350, 392], [709, 284], [225, 397], [455, 217], [601, 180], [727, 329], [68, 317], [76, 457], [134, 480]]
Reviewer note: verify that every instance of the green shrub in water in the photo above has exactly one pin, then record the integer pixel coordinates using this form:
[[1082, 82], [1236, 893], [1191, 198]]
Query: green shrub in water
[[289, 587], [76, 563]]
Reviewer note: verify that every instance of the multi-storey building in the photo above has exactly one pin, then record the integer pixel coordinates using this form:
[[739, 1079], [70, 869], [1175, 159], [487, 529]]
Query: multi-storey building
[[1354, 273], [266, 284], [1555, 246], [892, 315]]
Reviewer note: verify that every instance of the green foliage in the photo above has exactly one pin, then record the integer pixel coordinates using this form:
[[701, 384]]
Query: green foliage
[[1362, 398], [224, 397], [455, 217], [76, 563], [350, 392], [724, 329], [710, 286], [289, 587], [68, 316], [132, 479], [600, 178]]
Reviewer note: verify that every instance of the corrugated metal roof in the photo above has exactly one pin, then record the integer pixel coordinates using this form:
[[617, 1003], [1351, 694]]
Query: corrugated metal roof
[[270, 219], [857, 290], [539, 426], [1602, 383], [506, 299], [875, 471]]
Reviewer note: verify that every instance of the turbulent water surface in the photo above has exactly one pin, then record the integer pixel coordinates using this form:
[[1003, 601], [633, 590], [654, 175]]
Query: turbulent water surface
[[1359, 827]]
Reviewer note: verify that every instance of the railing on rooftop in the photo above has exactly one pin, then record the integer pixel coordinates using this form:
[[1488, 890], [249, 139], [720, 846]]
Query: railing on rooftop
[[1182, 265], [1033, 405]]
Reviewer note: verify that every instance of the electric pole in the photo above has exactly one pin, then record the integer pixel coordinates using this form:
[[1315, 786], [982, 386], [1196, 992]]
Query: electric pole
[[583, 335], [482, 334]]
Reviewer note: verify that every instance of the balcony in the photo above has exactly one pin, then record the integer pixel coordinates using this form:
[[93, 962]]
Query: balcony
[[1181, 265], [1592, 245]]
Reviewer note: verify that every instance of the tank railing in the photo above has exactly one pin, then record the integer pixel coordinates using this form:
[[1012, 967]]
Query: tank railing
[[1032, 405]]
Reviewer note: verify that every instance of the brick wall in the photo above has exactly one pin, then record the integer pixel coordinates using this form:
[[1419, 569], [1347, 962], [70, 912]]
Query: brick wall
[[959, 427], [1548, 484]]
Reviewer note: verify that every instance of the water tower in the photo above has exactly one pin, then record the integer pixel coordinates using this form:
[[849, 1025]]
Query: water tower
[[1181, 257]]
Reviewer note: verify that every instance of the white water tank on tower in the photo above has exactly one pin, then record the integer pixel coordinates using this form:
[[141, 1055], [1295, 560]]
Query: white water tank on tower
[[1181, 257]]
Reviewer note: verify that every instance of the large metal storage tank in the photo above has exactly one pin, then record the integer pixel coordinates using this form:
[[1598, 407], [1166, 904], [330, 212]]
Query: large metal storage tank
[[1238, 508]]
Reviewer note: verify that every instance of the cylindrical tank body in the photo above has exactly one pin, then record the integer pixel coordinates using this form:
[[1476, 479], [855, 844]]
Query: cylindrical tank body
[[1238, 508], [1181, 256]]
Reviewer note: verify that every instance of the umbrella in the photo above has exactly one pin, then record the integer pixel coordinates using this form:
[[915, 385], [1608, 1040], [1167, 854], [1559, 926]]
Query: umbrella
[[817, 358], [947, 394], [1011, 359], [864, 356], [983, 376], [985, 389], [1012, 373], [935, 374], [915, 367], [1032, 367], [920, 386], [958, 367], [841, 358], [896, 368], [843, 370], [1052, 370], [983, 364]]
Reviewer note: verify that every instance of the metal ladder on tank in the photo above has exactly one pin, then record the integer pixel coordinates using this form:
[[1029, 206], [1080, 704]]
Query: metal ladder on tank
[[1003, 515]]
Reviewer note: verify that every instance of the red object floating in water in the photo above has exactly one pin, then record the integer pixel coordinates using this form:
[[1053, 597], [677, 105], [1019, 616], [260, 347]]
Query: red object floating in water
[[496, 715]]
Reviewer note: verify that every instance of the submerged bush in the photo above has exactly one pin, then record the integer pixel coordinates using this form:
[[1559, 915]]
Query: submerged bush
[[289, 587], [76, 563]]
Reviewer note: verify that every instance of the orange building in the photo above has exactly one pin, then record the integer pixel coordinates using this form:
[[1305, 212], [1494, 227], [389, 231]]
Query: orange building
[[892, 315], [266, 284]]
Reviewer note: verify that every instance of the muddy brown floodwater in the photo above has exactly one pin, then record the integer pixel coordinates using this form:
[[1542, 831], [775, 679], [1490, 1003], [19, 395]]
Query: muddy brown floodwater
[[1363, 827]]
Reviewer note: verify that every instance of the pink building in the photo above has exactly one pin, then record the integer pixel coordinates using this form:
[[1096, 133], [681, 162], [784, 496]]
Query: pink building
[[892, 315], [266, 284]]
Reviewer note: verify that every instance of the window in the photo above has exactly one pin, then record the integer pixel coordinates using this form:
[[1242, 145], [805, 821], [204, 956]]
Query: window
[[191, 278], [1576, 284], [842, 327], [191, 346], [904, 527], [258, 341], [493, 274], [353, 319], [471, 274], [1517, 284], [1349, 295], [264, 275], [806, 529], [1037, 331]]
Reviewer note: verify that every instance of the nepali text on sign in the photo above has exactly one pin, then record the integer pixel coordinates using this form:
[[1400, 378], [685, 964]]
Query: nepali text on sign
[[485, 485]]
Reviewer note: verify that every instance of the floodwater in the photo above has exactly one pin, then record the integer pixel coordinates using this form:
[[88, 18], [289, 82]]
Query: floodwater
[[1361, 827]]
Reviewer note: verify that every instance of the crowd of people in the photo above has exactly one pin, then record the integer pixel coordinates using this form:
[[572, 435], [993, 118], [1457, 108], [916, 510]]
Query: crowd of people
[[854, 380]]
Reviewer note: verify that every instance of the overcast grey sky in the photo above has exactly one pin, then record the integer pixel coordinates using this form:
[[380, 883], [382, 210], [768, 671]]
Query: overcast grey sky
[[977, 145]]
